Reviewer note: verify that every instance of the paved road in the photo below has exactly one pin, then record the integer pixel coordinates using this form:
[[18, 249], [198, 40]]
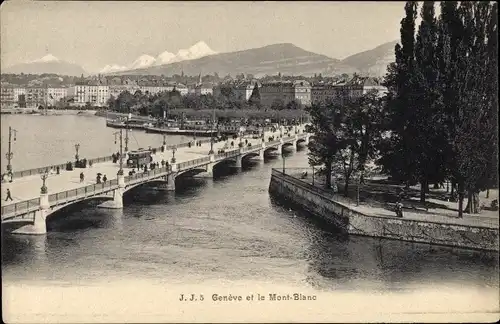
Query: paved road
[[29, 187]]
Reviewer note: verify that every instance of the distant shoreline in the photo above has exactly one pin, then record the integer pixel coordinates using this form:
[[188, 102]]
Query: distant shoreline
[[50, 112]]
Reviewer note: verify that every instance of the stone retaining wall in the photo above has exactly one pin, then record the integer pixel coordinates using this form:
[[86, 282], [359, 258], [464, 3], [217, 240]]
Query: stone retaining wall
[[318, 202]]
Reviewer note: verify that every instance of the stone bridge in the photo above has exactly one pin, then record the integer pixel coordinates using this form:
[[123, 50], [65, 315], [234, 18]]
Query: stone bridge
[[29, 215]]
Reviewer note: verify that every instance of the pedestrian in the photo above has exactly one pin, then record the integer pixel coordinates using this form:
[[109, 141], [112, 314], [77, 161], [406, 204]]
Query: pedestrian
[[90, 163], [98, 179], [8, 195], [104, 178], [82, 176], [58, 170]]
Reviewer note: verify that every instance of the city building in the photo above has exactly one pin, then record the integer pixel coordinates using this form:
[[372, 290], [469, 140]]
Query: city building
[[36, 97], [204, 88], [55, 95], [20, 96], [91, 93], [272, 91], [7, 96], [323, 93], [302, 92], [244, 90]]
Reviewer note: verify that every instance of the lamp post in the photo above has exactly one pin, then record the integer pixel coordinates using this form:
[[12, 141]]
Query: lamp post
[[10, 154], [44, 177], [173, 154], [126, 132], [283, 158], [77, 148], [120, 172], [212, 133]]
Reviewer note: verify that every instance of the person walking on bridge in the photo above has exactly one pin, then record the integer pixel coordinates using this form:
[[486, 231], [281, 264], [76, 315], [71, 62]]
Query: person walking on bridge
[[8, 195], [82, 177]]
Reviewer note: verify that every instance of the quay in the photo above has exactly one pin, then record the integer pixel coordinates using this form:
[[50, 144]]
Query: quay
[[471, 231], [34, 203]]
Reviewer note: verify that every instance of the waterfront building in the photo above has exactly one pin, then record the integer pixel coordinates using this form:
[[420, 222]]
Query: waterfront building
[[36, 97], [20, 97], [91, 93], [55, 94], [7, 96]]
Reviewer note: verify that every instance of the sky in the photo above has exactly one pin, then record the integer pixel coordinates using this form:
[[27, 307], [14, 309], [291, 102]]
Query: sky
[[94, 34]]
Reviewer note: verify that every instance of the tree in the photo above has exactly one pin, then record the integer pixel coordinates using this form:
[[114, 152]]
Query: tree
[[294, 105], [255, 96], [399, 154], [326, 125], [427, 110]]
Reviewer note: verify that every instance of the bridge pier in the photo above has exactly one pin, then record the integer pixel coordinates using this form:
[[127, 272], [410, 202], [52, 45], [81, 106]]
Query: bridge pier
[[261, 155], [279, 149], [117, 202], [171, 182], [238, 161], [39, 225]]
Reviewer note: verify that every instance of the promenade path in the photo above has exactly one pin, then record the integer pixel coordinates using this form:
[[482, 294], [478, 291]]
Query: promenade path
[[489, 219], [28, 187]]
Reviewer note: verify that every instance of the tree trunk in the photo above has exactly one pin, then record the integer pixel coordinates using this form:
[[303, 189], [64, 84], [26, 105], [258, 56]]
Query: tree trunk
[[472, 203], [452, 188], [423, 189], [460, 200], [328, 180], [346, 187], [488, 193]]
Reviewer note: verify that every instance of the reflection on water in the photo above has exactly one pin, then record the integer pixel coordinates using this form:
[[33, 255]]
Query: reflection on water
[[228, 228]]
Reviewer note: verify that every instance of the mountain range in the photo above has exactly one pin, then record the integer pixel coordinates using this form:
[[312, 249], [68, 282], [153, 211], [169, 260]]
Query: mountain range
[[47, 64], [198, 50], [283, 58]]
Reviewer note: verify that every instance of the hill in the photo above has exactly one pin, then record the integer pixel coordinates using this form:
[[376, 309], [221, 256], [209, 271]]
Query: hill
[[284, 58], [373, 62]]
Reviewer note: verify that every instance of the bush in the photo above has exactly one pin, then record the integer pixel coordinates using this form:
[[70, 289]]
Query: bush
[[69, 166], [494, 205]]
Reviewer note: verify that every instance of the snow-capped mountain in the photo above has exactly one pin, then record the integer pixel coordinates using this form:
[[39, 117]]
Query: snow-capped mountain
[[198, 50], [47, 64], [46, 58]]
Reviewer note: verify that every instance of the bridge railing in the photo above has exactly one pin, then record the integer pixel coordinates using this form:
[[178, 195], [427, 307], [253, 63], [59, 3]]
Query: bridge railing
[[250, 148], [138, 177], [229, 154], [72, 194], [21, 207], [191, 163], [273, 142], [62, 166]]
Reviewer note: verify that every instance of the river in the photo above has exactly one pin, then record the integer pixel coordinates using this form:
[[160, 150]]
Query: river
[[226, 231]]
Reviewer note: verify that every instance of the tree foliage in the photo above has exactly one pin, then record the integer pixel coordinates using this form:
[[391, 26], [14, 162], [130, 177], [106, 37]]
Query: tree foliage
[[442, 105]]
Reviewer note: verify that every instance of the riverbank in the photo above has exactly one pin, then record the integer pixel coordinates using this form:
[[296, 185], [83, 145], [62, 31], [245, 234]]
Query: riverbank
[[49, 112], [474, 232]]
